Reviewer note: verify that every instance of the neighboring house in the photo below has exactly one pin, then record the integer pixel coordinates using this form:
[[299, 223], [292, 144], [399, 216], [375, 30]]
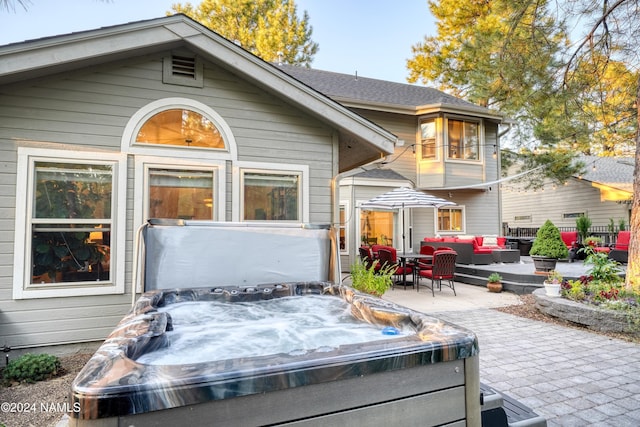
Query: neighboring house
[[102, 129], [448, 147], [604, 193]]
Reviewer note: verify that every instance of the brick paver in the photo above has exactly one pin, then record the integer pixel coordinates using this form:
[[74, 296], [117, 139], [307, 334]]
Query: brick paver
[[569, 376]]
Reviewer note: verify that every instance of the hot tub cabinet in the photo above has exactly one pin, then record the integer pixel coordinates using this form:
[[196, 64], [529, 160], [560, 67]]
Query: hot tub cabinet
[[426, 375], [426, 378]]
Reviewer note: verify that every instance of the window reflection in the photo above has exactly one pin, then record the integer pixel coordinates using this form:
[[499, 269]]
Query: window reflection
[[180, 127], [181, 194], [376, 227], [450, 219], [271, 197], [70, 232]]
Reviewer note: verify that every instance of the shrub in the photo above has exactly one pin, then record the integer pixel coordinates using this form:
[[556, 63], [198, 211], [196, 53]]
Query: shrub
[[603, 268], [369, 280], [548, 242], [583, 223], [32, 367]]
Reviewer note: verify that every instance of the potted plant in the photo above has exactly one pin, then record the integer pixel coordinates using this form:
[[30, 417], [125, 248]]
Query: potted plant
[[553, 283], [547, 248], [583, 223], [366, 279], [494, 283]]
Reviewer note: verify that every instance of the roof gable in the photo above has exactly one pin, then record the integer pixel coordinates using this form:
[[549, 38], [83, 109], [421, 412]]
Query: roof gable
[[360, 140]]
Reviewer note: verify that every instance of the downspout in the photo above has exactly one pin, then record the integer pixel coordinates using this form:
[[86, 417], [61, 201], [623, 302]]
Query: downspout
[[499, 158]]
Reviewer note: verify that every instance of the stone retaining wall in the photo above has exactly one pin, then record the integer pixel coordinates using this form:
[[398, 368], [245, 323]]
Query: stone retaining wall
[[594, 318]]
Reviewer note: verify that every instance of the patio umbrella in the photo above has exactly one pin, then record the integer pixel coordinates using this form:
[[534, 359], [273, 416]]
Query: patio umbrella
[[402, 198]]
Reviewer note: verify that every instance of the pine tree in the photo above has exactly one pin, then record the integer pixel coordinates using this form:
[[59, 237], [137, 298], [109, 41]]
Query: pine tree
[[269, 29]]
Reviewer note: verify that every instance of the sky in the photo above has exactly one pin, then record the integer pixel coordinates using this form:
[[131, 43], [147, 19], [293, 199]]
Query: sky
[[372, 38]]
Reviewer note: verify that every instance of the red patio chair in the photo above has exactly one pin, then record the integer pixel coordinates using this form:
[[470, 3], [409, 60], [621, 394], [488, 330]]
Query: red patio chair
[[388, 258], [423, 264], [366, 255], [444, 268], [620, 251]]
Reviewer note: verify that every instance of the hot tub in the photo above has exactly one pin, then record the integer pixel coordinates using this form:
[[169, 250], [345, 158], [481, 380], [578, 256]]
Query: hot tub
[[418, 370], [405, 368]]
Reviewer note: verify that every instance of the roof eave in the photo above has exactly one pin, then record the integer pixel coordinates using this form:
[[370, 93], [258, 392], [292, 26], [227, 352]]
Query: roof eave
[[420, 110], [38, 58]]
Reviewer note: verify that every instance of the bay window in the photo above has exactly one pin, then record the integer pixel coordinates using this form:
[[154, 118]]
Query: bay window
[[463, 140]]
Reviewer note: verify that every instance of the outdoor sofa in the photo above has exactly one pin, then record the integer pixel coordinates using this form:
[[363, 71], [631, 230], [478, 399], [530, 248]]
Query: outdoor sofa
[[470, 249]]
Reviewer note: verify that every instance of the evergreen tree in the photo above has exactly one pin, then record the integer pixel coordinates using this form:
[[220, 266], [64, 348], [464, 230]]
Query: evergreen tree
[[517, 56], [269, 29]]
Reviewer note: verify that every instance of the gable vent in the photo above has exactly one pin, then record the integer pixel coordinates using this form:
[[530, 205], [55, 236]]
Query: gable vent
[[183, 70], [183, 66]]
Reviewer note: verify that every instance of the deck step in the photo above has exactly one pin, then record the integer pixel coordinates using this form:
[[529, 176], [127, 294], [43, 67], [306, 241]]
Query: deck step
[[499, 409]]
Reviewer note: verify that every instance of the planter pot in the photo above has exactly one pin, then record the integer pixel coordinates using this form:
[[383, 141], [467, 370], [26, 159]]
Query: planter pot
[[494, 287], [552, 289], [543, 264]]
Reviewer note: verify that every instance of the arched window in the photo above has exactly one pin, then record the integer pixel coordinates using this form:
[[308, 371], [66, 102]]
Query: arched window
[[180, 127]]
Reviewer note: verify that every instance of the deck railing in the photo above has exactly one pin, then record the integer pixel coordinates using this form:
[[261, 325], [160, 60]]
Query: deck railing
[[608, 237]]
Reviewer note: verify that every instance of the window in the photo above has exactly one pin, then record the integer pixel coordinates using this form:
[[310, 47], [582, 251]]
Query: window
[[269, 196], [463, 140], [451, 219], [376, 227], [428, 139], [179, 193], [180, 128], [67, 207], [343, 227]]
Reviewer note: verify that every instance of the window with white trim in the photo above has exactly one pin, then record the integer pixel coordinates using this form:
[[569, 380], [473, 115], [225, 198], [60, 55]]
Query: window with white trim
[[181, 193], [463, 140], [180, 127], [428, 139], [450, 219], [68, 240], [343, 231], [271, 196]]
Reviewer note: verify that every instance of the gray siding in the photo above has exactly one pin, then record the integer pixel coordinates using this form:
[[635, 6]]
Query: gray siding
[[90, 109], [481, 206], [577, 196]]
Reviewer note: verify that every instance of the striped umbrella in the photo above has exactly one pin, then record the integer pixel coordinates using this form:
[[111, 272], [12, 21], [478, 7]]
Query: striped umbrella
[[402, 198]]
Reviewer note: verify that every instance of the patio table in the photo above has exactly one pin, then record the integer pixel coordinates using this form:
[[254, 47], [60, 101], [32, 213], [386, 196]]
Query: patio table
[[403, 257]]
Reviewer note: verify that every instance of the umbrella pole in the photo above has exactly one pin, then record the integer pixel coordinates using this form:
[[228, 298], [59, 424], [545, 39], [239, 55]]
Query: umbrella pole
[[404, 251]]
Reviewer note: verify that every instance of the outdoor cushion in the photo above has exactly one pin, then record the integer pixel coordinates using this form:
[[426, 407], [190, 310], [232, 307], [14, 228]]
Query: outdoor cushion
[[569, 237], [622, 242], [433, 239]]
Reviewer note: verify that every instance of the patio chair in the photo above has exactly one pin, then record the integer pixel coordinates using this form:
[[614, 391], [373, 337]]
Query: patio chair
[[620, 252], [366, 255], [423, 264], [444, 268], [388, 258]]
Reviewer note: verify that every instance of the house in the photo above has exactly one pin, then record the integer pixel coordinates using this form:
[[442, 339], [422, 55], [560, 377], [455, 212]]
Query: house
[[448, 147], [102, 129], [603, 193], [160, 118]]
